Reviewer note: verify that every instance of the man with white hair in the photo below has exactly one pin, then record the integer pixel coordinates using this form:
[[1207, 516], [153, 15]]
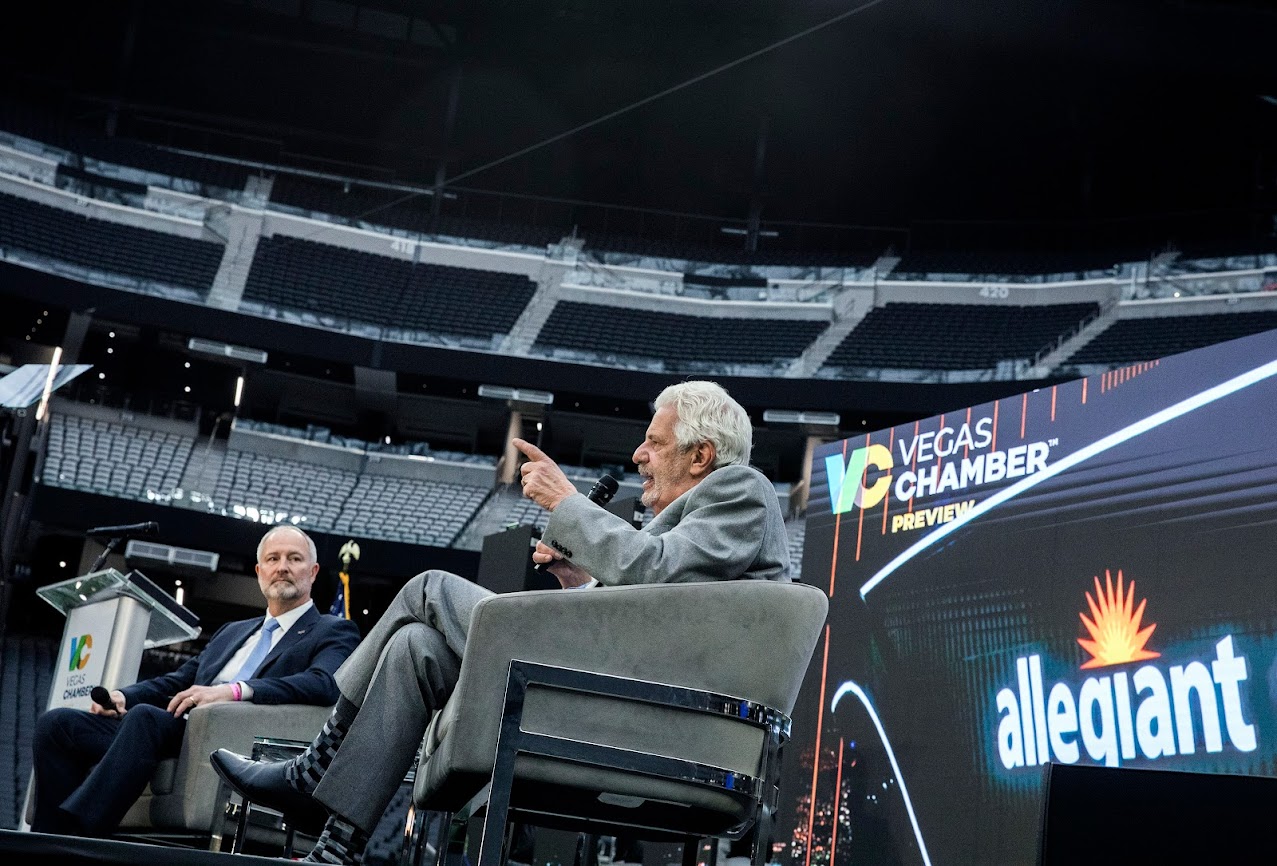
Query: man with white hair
[[715, 518]]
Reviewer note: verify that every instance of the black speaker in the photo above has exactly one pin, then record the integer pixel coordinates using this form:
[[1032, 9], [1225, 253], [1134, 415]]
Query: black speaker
[[628, 508], [1121, 815], [505, 562]]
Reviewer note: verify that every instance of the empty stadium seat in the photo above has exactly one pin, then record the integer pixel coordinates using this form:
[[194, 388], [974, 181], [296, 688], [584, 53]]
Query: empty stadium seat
[[955, 336], [1129, 340], [143, 254], [675, 338], [113, 459], [364, 287]]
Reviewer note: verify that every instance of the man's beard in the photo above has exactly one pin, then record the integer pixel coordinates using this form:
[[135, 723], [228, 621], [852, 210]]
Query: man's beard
[[284, 590], [651, 494]]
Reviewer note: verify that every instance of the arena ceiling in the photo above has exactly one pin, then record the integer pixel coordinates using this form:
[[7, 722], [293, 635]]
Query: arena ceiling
[[875, 112]]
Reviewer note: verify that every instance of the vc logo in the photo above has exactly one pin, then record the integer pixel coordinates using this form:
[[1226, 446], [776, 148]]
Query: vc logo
[[847, 483], [80, 647]]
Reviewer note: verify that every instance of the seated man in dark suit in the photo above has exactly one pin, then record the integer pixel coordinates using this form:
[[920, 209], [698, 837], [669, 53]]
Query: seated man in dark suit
[[91, 766], [716, 518]]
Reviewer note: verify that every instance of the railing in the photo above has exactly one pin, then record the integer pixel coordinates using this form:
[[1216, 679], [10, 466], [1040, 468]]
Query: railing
[[1106, 306]]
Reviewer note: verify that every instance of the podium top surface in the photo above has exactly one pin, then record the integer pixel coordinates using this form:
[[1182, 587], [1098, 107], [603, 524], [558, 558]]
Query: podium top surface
[[23, 386], [170, 621]]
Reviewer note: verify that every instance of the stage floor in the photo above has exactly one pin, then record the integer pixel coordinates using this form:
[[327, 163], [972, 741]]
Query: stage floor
[[74, 851]]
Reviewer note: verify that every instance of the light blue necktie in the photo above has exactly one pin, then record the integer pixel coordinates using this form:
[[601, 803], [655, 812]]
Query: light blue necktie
[[259, 652]]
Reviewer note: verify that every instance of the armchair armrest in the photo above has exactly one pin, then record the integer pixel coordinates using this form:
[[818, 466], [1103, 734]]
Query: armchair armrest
[[190, 800]]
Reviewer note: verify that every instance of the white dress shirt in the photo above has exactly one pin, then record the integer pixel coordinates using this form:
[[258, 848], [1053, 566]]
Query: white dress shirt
[[285, 620]]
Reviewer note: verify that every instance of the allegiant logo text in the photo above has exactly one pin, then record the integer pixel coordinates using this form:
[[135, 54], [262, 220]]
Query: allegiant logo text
[[1115, 722], [1151, 713]]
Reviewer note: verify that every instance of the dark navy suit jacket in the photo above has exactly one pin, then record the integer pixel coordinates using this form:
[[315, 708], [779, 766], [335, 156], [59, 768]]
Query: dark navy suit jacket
[[299, 670]]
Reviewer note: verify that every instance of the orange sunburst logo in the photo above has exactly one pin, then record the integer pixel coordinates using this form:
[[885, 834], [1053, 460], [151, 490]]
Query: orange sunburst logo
[[1116, 636]]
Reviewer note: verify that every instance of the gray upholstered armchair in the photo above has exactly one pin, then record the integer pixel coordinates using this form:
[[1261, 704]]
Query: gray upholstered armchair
[[655, 712], [182, 798], [183, 794]]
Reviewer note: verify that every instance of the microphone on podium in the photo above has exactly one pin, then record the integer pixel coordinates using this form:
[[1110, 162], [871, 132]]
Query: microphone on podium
[[118, 534], [600, 494], [149, 527]]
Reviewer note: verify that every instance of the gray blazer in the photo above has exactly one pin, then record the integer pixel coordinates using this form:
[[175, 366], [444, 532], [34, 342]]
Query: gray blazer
[[728, 526]]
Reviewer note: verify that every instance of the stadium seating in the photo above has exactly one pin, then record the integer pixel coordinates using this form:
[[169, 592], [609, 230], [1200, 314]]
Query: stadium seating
[[318, 433], [114, 459], [422, 301], [26, 675], [400, 209], [408, 510], [1008, 264], [955, 336], [31, 227], [362, 287], [367, 500], [259, 482], [347, 201], [733, 253], [796, 527], [673, 337], [521, 511], [213, 173], [1144, 339]]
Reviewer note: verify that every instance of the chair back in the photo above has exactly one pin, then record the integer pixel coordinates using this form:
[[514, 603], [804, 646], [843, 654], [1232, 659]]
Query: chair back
[[751, 640]]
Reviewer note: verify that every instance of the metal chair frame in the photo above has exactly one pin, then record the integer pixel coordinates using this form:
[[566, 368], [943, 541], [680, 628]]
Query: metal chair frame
[[758, 795], [236, 811]]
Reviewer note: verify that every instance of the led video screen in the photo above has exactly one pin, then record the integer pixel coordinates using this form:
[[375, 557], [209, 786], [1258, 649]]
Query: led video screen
[[1081, 574]]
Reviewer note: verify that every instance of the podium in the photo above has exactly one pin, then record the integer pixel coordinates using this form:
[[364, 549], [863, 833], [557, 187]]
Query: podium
[[111, 619]]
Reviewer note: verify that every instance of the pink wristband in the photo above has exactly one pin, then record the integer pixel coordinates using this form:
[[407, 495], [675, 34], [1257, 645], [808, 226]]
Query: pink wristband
[[237, 692]]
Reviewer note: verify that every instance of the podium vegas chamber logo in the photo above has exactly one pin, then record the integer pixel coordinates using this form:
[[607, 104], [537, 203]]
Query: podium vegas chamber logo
[[1155, 711], [80, 652], [76, 685]]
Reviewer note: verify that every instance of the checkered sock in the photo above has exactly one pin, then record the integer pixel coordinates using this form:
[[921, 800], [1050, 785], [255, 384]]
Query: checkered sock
[[305, 771], [341, 842]]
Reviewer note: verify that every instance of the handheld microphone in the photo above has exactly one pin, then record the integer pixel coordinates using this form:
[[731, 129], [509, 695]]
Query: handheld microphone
[[603, 490], [149, 527], [102, 698], [600, 494]]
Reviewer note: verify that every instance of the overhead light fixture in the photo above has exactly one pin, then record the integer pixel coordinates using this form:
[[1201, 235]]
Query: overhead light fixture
[[48, 383], [180, 560], [226, 350], [810, 423], [239, 389], [516, 395], [762, 233], [791, 416]]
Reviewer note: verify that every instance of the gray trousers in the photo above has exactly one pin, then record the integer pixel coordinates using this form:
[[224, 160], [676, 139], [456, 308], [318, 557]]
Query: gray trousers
[[402, 671]]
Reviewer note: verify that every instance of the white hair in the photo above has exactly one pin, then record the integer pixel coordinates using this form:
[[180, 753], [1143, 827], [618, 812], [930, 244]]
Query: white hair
[[707, 413], [310, 542]]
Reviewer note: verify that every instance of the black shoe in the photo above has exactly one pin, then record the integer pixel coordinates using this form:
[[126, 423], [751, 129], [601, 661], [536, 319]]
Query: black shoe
[[263, 783]]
